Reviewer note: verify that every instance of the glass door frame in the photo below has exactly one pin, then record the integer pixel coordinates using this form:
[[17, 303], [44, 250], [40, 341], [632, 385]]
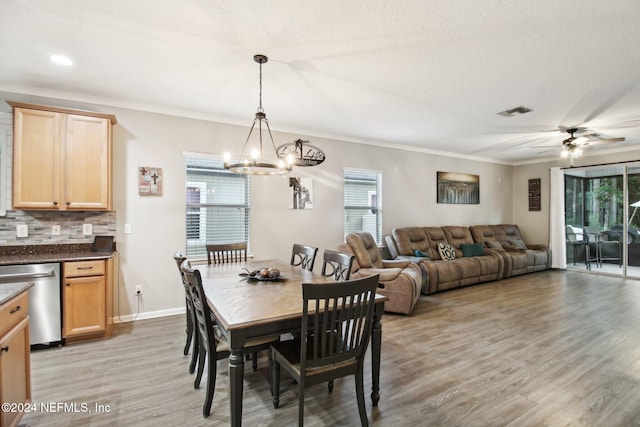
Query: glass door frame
[[624, 168]]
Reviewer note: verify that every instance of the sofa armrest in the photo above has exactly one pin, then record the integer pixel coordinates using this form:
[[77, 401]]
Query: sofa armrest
[[395, 263]]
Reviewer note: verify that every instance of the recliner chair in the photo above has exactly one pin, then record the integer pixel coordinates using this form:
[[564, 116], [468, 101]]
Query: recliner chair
[[400, 280]]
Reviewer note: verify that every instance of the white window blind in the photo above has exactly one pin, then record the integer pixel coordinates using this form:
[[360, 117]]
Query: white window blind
[[217, 205], [363, 202]]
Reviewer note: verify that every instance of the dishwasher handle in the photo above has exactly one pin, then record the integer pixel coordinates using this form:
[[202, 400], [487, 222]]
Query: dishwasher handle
[[26, 276]]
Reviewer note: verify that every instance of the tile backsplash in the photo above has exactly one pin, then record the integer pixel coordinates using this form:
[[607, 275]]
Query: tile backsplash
[[40, 224]]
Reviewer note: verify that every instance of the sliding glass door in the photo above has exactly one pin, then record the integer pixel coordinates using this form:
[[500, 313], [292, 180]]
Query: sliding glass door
[[633, 224], [595, 218]]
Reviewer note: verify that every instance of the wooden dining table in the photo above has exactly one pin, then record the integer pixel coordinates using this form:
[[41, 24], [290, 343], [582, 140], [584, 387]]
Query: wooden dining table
[[247, 308]]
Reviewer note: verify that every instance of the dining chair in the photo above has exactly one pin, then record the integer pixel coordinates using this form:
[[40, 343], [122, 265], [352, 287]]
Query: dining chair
[[337, 265], [303, 256], [226, 252], [213, 344], [192, 334], [336, 327]]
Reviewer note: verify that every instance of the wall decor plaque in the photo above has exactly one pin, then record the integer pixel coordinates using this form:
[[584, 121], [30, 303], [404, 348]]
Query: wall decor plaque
[[458, 188], [534, 194], [149, 181]]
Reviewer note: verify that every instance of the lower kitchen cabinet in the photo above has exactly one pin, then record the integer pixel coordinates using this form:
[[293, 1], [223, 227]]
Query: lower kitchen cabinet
[[15, 367], [86, 300]]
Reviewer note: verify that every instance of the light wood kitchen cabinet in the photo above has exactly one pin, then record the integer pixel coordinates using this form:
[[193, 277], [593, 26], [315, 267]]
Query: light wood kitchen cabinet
[[15, 366], [86, 294], [62, 158]]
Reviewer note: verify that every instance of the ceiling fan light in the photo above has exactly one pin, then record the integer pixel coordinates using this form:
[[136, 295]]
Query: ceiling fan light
[[565, 153], [577, 152]]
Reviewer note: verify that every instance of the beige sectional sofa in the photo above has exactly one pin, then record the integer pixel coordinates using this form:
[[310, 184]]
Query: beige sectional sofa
[[492, 252]]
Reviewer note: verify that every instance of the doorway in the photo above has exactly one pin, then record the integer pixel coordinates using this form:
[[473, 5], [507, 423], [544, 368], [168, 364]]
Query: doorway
[[602, 218]]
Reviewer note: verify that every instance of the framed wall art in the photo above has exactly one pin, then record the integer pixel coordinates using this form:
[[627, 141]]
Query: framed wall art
[[534, 194], [149, 181], [458, 188], [301, 193]]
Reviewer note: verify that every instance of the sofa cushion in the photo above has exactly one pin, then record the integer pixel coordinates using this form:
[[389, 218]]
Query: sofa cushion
[[447, 252], [518, 243], [494, 244], [472, 249]]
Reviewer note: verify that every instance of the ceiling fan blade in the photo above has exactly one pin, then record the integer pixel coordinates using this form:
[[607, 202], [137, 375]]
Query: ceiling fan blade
[[606, 141]]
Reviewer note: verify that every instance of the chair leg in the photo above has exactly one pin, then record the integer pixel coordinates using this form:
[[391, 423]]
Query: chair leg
[[189, 331], [202, 354], [360, 397], [195, 352], [211, 386], [330, 386], [275, 382], [254, 361]]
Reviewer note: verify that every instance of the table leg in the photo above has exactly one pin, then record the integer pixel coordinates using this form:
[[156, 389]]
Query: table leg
[[236, 378], [376, 349]]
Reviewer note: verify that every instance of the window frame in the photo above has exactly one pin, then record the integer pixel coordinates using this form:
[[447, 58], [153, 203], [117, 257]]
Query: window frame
[[374, 200], [198, 176]]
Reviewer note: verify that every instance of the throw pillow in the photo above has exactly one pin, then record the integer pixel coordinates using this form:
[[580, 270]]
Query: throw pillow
[[518, 243], [471, 249], [420, 254], [447, 252], [494, 244]]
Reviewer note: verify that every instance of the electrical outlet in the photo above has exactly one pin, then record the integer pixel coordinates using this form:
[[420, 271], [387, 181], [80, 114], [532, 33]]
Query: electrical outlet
[[55, 230], [87, 229], [127, 229], [22, 230], [138, 290]]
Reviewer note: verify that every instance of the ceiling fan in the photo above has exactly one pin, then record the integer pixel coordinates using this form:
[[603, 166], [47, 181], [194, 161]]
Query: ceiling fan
[[573, 146]]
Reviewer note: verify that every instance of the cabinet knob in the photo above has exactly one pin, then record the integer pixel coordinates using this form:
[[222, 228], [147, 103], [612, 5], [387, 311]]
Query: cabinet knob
[[55, 203], [68, 284], [5, 348], [68, 203], [13, 310]]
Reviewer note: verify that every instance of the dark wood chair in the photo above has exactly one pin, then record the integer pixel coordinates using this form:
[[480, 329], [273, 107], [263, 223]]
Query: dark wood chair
[[303, 256], [337, 265], [192, 334], [226, 252], [336, 328], [213, 344]]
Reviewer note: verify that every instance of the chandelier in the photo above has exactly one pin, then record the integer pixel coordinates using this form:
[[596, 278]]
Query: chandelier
[[256, 164]]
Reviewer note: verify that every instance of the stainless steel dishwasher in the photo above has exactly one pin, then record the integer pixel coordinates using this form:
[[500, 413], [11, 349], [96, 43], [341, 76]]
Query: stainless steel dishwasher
[[45, 323]]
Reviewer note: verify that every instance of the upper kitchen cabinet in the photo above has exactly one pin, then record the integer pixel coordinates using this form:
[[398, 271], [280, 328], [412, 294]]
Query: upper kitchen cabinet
[[61, 158]]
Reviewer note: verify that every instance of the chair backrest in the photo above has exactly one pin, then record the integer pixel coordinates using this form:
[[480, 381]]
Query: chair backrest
[[303, 256], [226, 252], [365, 249], [336, 320], [337, 264], [204, 320], [179, 259], [571, 235]]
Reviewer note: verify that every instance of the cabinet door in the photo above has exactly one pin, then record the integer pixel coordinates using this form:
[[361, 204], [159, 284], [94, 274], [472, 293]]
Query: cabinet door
[[84, 305], [15, 368], [36, 159], [87, 163]]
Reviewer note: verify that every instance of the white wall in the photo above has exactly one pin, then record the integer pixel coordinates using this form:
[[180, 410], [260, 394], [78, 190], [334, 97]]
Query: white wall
[[158, 228]]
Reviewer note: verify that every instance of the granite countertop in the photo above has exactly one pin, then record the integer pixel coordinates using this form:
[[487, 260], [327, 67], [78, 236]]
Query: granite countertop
[[11, 290], [38, 254]]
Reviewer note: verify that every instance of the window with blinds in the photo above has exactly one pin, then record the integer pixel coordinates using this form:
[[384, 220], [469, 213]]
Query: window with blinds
[[217, 205], [363, 202]]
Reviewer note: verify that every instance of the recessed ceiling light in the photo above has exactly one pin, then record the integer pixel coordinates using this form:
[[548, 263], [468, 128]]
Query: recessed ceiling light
[[61, 60]]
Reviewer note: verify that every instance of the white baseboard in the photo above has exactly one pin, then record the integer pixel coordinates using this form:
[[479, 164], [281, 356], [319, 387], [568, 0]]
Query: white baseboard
[[148, 315]]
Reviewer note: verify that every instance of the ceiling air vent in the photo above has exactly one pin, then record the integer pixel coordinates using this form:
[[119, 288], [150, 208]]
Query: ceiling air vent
[[514, 111]]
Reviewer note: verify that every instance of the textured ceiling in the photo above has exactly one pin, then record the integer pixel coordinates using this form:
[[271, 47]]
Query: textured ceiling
[[426, 74]]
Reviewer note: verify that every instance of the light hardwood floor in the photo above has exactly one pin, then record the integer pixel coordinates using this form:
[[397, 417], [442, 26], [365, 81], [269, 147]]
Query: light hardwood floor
[[547, 349]]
